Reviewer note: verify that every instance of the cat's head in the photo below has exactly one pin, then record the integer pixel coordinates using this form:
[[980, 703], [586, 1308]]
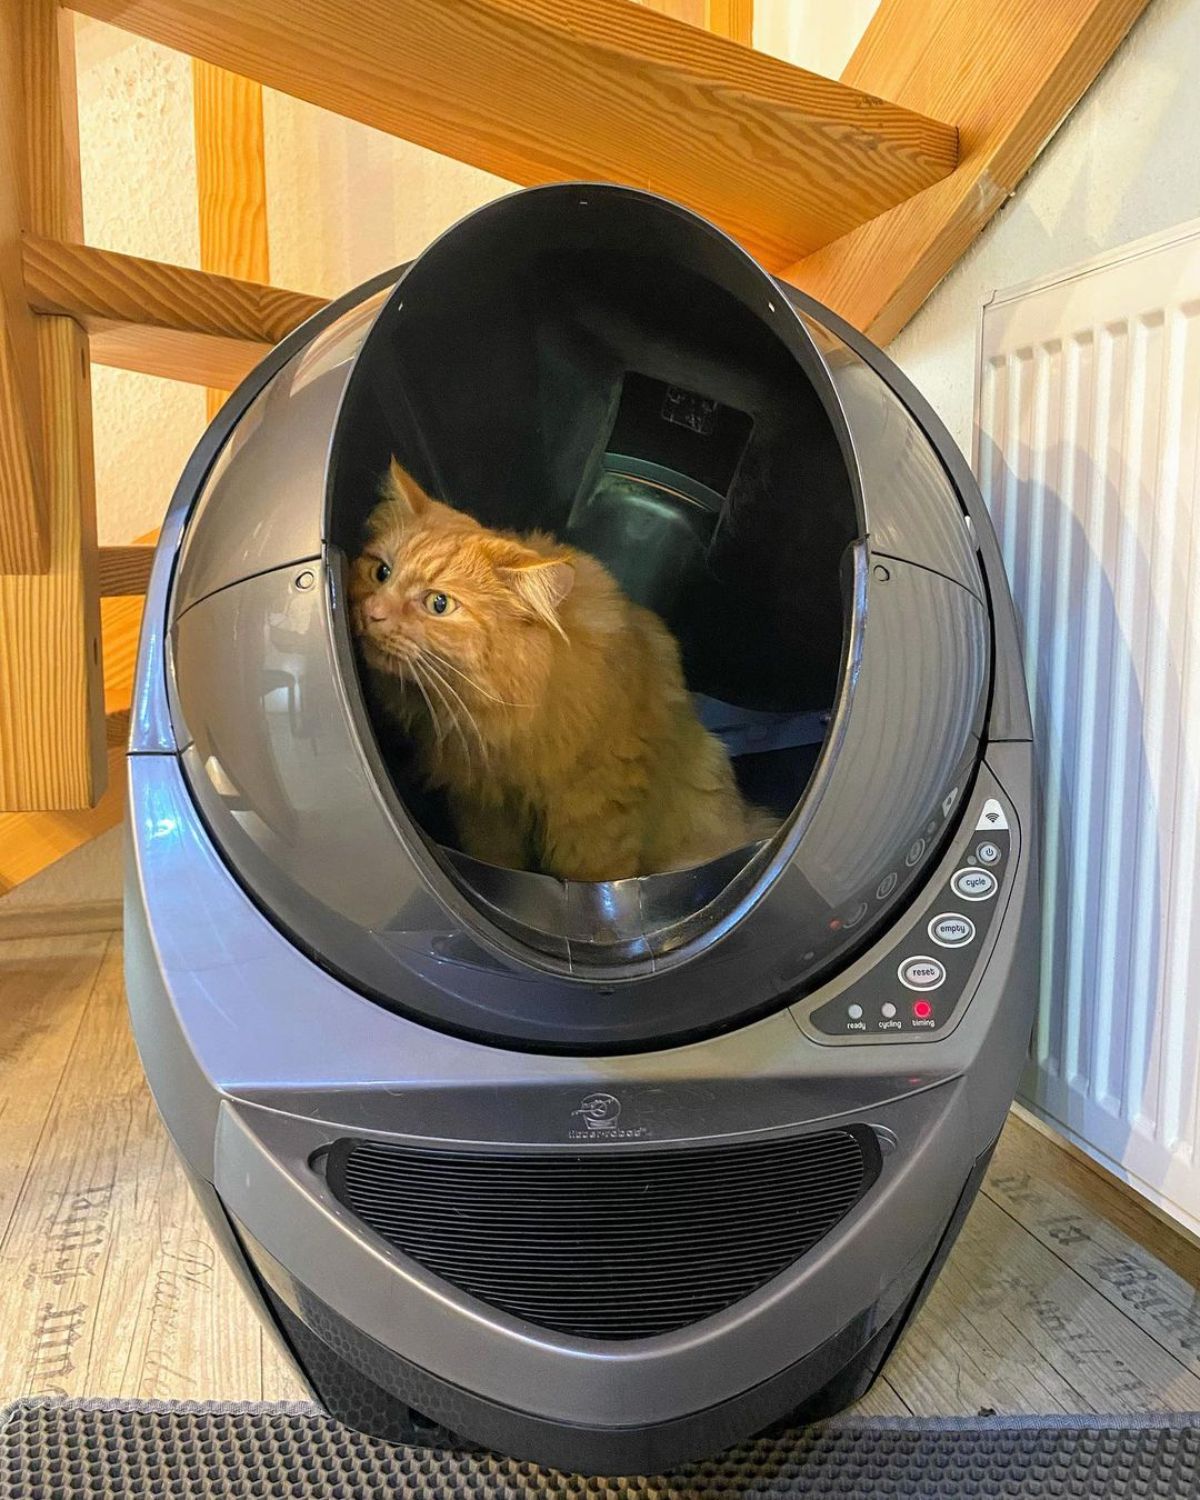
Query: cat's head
[[432, 587]]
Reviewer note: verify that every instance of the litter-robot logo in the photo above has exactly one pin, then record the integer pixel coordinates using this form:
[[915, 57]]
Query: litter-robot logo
[[601, 1116], [600, 1112]]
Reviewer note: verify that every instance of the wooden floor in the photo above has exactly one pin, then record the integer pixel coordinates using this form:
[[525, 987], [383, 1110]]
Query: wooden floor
[[1061, 1294]]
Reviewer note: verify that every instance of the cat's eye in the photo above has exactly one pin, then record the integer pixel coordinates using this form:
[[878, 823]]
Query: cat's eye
[[382, 571], [440, 604]]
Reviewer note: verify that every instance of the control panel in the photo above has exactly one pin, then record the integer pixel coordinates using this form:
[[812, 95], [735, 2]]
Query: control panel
[[916, 993]]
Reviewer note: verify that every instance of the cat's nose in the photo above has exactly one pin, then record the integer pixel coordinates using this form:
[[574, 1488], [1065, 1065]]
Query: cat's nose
[[378, 610]]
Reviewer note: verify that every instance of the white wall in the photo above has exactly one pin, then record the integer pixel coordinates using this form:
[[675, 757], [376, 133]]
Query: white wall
[[139, 196], [818, 35], [345, 201]]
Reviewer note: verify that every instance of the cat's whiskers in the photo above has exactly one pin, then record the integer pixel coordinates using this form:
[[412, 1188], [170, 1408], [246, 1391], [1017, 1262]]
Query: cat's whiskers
[[448, 687], [458, 698], [441, 688], [433, 718], [442, 662], [422, 671]]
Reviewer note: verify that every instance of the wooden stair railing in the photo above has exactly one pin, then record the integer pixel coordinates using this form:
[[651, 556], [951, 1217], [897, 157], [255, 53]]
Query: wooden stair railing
[[231, 180], [862, 191], [731, 18], [1008, 74], [557, 90], [161, 319], [52, 742]]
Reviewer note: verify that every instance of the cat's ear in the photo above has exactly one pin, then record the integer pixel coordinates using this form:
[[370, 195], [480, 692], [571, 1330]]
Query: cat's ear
[[541, 584], [401, 487]]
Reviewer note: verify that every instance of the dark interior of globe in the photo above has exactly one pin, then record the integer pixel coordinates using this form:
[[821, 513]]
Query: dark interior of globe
[[639, 411]]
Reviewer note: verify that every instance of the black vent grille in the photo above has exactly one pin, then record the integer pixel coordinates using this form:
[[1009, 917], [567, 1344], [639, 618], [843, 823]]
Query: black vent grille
[[608, 1244]]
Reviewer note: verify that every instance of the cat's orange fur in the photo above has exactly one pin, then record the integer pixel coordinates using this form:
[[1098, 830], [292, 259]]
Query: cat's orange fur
[[550, 709]]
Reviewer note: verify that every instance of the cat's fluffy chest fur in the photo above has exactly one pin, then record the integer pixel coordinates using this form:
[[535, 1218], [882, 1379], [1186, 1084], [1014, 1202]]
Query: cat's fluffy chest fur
[[549, 708]]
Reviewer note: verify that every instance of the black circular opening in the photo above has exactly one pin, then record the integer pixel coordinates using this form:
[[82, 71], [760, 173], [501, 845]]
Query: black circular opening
[[606, 368]]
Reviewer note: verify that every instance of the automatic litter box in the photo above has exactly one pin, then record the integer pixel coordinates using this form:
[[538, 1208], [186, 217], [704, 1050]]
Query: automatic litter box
[[610, 1175]]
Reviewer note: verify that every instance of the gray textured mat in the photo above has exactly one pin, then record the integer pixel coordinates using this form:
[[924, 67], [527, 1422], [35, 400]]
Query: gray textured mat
[[50, 1450]]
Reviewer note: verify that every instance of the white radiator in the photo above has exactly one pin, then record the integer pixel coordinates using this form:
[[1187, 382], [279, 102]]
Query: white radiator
[[1088, 454]]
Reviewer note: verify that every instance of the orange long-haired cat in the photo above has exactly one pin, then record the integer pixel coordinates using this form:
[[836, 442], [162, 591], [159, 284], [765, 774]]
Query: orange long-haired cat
[[550, 709]]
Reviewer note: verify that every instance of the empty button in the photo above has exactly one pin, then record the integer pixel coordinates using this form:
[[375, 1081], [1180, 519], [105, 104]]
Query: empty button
[[888, 1011], [854, 1012], [974, 885], [922, 973], [951, 930]]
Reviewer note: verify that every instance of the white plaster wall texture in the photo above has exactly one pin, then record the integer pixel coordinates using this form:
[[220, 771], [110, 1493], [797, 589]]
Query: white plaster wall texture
[[818, 35], [345, 201], [139, 196]]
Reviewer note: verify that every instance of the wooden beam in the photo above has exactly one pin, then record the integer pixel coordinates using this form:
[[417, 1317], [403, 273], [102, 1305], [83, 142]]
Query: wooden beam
[[161, 319], [52, 750], [539, 91], [122, 629], [195, 358], [125, 570], [231, 179], [24, 511], [1008, 74], [100, 288], [24, 524]]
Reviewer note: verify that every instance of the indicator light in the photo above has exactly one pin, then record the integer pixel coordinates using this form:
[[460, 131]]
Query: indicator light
[[922, 1010]]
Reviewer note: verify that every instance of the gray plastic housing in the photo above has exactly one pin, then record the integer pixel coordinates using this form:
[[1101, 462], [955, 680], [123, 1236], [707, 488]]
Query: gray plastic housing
[[260, 1056], [259, 1060]]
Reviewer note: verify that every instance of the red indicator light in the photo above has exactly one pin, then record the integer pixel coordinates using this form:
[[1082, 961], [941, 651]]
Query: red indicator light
[[922, 1010]]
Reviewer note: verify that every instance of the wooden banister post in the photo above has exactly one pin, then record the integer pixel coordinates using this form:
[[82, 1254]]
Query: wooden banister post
[[731, 18], [230, 179], [52, 733], [24, 523]]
